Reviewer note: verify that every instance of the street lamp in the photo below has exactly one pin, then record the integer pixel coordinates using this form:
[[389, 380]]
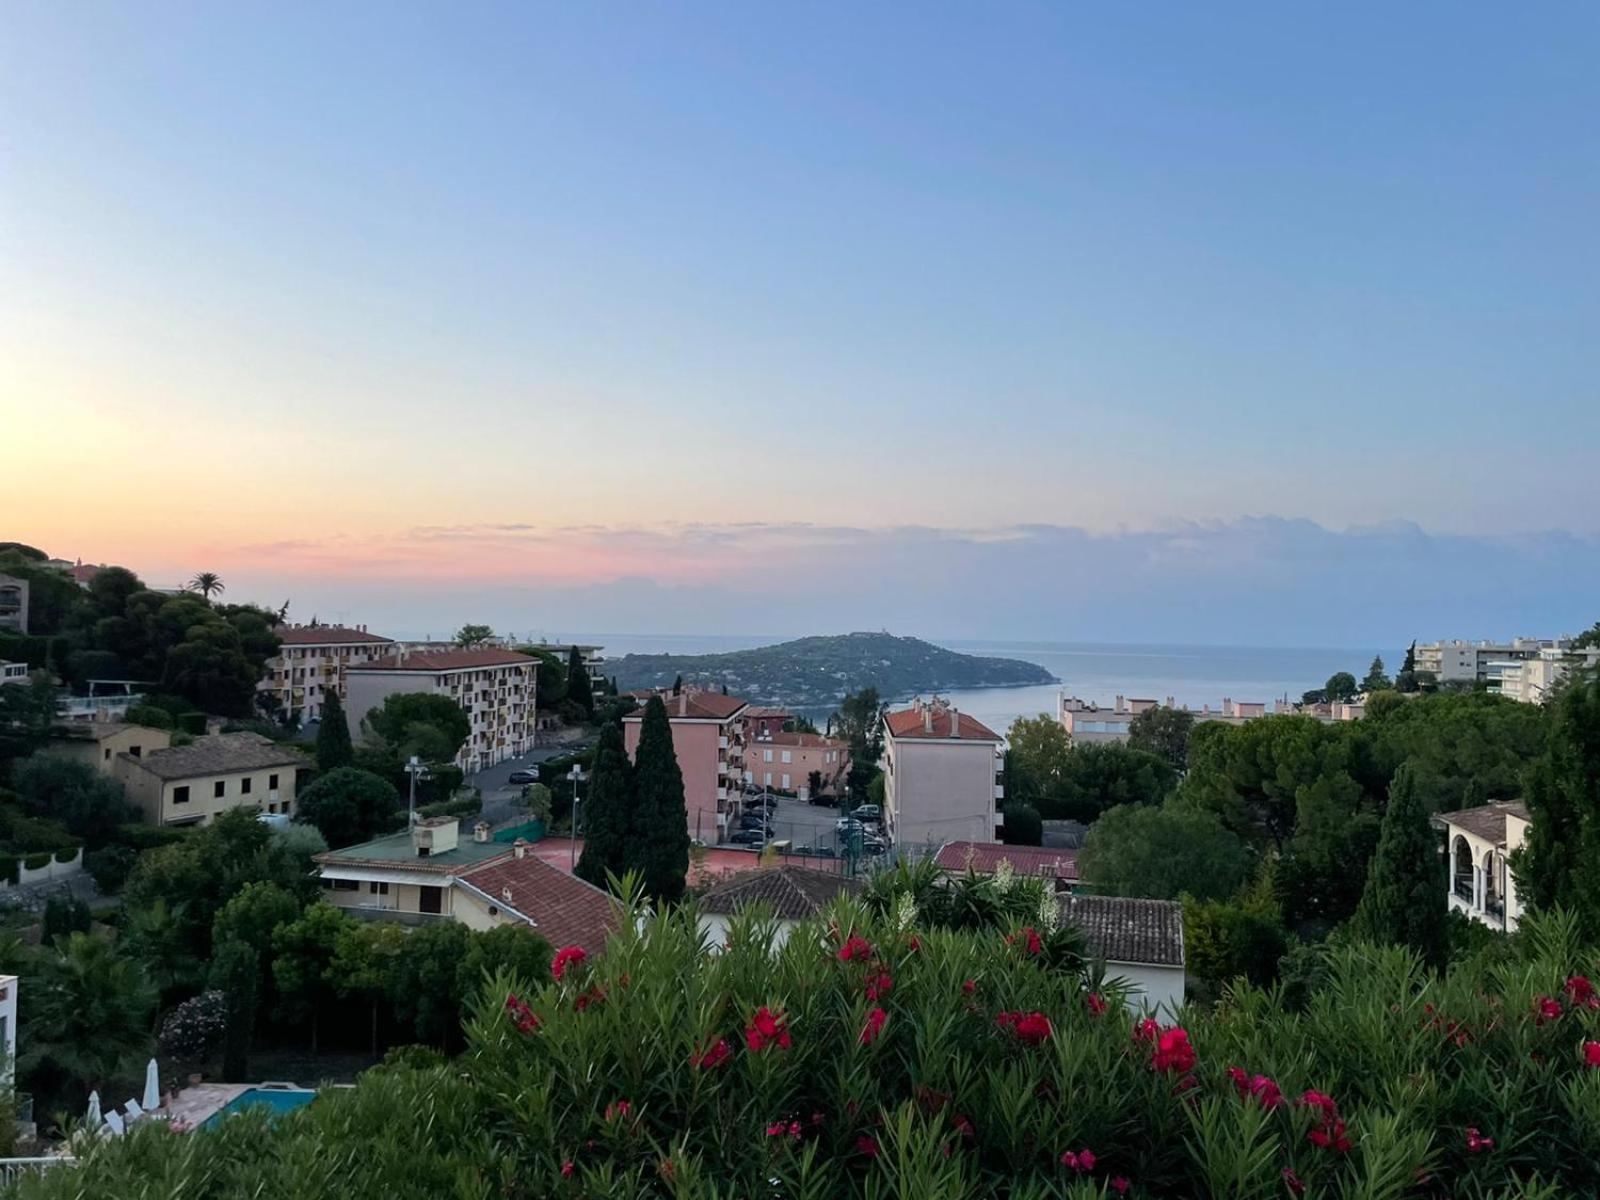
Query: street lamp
[[577, 776], [415, 769]]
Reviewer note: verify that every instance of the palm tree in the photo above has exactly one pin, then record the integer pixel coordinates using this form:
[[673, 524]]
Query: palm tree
[[208, 583], [90, 1020]]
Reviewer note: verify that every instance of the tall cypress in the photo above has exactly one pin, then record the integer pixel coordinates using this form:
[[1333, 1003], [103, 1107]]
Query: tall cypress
[[333, 735], [579, 690], [1555, 869], [658, 835], [1404, 900], [607, 809]]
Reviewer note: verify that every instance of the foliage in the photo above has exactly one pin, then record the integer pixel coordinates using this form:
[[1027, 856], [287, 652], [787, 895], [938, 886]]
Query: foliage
[[27, 715], [1163, 732], [1228, 939], [208, 584], [658, 831], [1401, 904], [1556, 868], [470, 635], [579, 690], [1036, 758], [89, 804], [150, 716], [302, 957], [1341, 685], [550, 676], [333, 734], [236, 973], [608, 811], [1023, 826], [538, 800], [434, 728], [1376, 680], [1162, 853], [196, 1027], [64, 916], [348, 805]]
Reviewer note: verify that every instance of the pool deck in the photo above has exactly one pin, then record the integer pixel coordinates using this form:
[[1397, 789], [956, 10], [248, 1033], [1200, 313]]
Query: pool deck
[[198, 1102]]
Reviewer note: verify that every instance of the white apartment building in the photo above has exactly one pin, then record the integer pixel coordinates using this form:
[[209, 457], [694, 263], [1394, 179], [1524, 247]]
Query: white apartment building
[[495, 688], [312, 662], [1479, 843], [1469, 662], [942, 773], [1088, 723], [1534, 680]]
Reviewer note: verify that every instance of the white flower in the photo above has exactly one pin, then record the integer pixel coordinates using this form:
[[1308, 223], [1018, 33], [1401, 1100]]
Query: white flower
[[1049, 911], [905, 912], [1004, 876]]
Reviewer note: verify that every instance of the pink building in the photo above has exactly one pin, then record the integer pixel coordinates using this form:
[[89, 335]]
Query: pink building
[[784, 761], [708, 738], [764, 720]]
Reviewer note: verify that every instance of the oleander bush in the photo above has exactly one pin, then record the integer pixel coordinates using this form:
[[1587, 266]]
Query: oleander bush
[[876, 1055]]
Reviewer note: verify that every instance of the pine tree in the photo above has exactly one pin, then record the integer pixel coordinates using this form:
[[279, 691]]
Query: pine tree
[[333, 735], [1376, 680], [579, 689], [658, 835], [1405, 679], [1555, 869], [1404, 900], [607, 809]]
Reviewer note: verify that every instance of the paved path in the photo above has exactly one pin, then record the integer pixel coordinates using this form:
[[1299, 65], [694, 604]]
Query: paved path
[[502, 800]]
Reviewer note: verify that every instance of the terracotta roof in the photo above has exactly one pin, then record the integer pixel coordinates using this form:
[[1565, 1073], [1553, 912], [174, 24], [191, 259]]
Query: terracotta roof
[[794, 893], [767, 711], [701, 706], [563, 908], [218, 754], [1487, 821], [984, 857], [83, 573], [1122, 929], [911, 723], [813, 740], [325, 635], [446, 660]]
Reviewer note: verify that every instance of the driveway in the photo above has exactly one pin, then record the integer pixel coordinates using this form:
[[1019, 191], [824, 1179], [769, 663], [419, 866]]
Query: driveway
[[502, 800]]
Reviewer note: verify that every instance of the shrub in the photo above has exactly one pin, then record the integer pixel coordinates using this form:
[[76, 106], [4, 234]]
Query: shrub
[[149, 716], [63, 917], [9, 864], [36, 862], [194, 1028], [1023, 826], [149, 837], [67, 853], [461, 806], [110, 867]]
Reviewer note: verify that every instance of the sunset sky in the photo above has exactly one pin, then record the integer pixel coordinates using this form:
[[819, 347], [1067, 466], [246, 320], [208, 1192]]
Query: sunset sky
[[1245, 322]]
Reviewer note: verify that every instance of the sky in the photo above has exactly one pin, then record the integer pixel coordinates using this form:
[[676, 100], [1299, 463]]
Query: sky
[[1234, 322]]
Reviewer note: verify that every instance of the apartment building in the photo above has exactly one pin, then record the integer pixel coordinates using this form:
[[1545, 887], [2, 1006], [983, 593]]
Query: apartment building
[[1479, 843], [191, 785], [430, 873], [13, 604], [708, 738], [784, 762], [1088, 723], [1469, 662], [1534, 680], [13, 672], [312, 661], [495, 688], [942, 772]]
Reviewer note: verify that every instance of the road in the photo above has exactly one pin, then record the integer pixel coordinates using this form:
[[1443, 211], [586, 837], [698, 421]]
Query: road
[[503, 800]]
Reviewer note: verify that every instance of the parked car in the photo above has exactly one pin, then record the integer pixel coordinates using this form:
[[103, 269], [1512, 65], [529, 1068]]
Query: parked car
[[849, 825], [867, 812], [523, 775], [749, 837], [874, 846], [752, 821]]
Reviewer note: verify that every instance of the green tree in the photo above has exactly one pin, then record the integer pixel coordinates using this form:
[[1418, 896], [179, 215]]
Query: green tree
[[155, 937], [89, 804], [550, 679], [1341, 686], [658, 836], [1324, 863], [1022, 826], [1099, 776], [426, 984], [432, 727], [1405, 680], [514, 949], [469, 636], [364, 965], [208, 584], [236, 973], [333, 734], [1036, 761], [1164, 732], [302, 961], [607, 810], [1226, 939], [349, 806], [86, 1018], [1162, 853], [210, 669], [579, 689], [1555, 868], [1589, 639], [1376, 680], [27, 716], [251, 917], [1403, 901]]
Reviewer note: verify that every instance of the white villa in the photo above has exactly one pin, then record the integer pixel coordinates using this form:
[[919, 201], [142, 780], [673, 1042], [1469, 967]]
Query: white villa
[[1478, 843]]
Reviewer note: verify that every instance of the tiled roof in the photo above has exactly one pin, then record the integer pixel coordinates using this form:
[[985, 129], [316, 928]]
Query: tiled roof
[[83, 573], [325, 635], [564, 909], [701, 706], [794, 893], [218, 754], [1487, 821], [396, 850], [983, 858], [911, 723], [813, 740], [446, 660], [768, 712], [1122, 929]]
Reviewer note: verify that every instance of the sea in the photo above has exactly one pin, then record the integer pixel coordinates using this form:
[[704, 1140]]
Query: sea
[[1094, 671]]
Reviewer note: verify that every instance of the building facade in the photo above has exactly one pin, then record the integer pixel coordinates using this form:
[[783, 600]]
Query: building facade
[[495, 688], [312, 662], [942, 772], [193, 784], [13, 672], [13, 604], [708, 739], [1140, 942], [1469, 662], [1479, 843], [784, 762]]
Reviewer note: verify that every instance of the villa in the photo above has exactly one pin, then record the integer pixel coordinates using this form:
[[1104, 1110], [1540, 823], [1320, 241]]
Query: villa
[[1479, 843], [1140, 942]]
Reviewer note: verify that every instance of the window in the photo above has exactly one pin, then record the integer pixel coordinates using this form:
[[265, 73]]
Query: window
[[340, 885], [378, 889], [180, 795], [767, 779], [786, 783], [107, 754], [136, 751], [766, 756], [245, 785], [219, 788], [430, 899], [272, 783], [788, 756]]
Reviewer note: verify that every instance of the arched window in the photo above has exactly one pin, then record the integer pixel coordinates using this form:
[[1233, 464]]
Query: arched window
[[1491, 884], [1461, 868]]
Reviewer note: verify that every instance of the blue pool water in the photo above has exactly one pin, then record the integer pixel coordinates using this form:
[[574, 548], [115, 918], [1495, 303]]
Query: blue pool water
[[277, 1100]]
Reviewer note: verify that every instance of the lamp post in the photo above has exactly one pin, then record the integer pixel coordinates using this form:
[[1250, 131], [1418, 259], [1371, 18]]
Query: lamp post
[[416, 770], [577, 776]]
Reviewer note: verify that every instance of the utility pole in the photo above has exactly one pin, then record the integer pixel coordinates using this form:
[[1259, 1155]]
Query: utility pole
[[416, 770], [577, 776]]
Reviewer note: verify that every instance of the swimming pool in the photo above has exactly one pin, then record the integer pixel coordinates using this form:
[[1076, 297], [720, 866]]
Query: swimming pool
[[278, 1100]]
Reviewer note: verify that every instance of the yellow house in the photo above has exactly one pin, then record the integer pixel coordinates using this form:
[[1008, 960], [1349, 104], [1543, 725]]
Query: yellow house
[[190, 785], [101, 744]]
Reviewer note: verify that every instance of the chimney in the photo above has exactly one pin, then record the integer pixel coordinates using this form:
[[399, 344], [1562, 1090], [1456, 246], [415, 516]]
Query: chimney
[[505, 893], [955, 722], [1121, 704], [927, 719], [1170, 704], [683, 704], [519, 848], [480, 832]]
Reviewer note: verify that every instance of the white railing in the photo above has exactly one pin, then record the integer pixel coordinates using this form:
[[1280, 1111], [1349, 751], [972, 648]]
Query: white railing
[[13, 1169]]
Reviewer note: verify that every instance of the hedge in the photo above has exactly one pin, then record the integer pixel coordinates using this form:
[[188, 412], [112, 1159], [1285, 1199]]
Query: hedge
[[464, 806], [9, 864], [66, 854], [35, 862], [149, 837]]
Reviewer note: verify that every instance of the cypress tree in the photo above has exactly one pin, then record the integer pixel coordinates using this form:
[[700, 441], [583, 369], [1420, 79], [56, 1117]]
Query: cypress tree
[[607, 809], [333, 735], [579, 690], [1404, 900], [236, 972], [1555, 869], [677, 685], [658, 835]]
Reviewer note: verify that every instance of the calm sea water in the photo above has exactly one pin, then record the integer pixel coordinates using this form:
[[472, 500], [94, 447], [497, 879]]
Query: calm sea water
[[1191, 675]]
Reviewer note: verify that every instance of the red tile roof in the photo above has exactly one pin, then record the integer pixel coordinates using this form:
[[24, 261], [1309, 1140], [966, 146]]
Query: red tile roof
[[911, 723], [813, 740], [325, 635], [446, 660], [563, 908], [83, 573], [768, 712], [984, 857], [698, 706]]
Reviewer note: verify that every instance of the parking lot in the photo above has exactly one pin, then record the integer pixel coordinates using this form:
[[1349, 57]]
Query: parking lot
[[805, 825]]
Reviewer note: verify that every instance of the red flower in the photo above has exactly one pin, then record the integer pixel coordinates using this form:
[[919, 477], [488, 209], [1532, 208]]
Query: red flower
[[1546, 1010], [1591, 1055], [969, 987], [765, 1028], [1147, 1030], [527, 1020], [1173, 1052], [873, 1027], [1032, 1028], [715, 1055], [1082, 1160], [1476, 1142], [565, 957], [1293, 1181], [855, 949], [617, 1109], [1330, 1131], [567, 1169], [1581, 993], [914, 944], [1264, 1090], [879, 985], [868, 1145], [777, 1129], [594, 996], [1097, 1003], [1119, 1184], [1030, 937]]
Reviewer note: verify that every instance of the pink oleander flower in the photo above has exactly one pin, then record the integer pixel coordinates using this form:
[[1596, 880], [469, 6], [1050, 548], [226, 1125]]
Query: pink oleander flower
[[1259, 1087], [567, 1168], [1097, 1003], [969, 986], [855, 949], [567, 956], [879, 985], [1293, 1182], [1581, 993], [766, 1028], [617, 1109], [1030, 938], [1147, 1030], [868, 1145], [715, 1055], [1173, 1053], [873, 1027], [1546, 1009], [1591, 1054], [1476, 1142], [1119, 1184], [1081, 1161], [1032, 1028]]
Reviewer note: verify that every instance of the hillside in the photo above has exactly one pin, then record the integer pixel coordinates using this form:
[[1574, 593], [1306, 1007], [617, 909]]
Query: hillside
[[816, 671]]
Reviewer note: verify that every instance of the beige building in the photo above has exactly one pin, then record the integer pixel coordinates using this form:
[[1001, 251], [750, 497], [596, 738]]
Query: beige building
[[708, 739], [495, 688], [101, 744], [784, 762], [1479, 843], [431, 873], [13, 604], [942, 772], [1087, 723], [190, 785], [13, 672], [312, 662]]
